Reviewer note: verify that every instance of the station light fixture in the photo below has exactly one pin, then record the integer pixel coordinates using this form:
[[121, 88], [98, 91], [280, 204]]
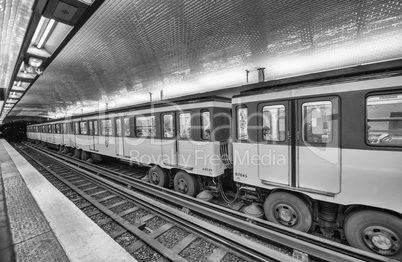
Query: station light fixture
[[39, 28], [49, 28], [42, 32], [88, 2], [35, 61], [52, 21]]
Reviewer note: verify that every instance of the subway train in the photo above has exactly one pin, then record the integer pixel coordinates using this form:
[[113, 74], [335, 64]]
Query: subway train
[[318, 156]]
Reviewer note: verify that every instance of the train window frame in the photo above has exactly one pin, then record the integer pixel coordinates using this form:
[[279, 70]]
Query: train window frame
[[96, 127], [205, 129], [271, 136], [238, 137], [153, 127], [164, 134], [188, 135], [102, 133], [304, 122], [118, 128], [383, 139], [90, 127], [129, 127], [83, 127], [57, 128]]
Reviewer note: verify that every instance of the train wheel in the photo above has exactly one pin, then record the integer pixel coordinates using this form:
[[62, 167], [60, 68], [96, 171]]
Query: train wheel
[[375, 231], [158, 176], [186, 183], [61, 148], [289, 210], [77, 153], [84, 155]]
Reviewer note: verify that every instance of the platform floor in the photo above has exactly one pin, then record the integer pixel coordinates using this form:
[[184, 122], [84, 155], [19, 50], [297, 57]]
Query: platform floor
[[38, 223]]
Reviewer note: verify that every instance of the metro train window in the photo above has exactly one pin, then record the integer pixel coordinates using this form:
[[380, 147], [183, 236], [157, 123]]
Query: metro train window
[[90, 128], [242, 115], [106, 127], [117, 122], [127, 127], [65, 128], [206, 125], [145, 126], [96, 128], [83, 127], [273, 123], [185, 125], [168, 126], [57, 129], [317, 122], [384, 120]]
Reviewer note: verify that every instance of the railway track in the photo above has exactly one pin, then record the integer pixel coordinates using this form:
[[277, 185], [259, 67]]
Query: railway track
[[144, 227], [202, 223]]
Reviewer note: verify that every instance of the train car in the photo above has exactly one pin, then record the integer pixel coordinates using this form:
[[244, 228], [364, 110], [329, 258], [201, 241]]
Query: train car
[[181, 140], [326, 157]]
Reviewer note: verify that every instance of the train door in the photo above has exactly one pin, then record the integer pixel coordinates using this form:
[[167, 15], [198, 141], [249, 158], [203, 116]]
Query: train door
[[91, 135], [185, 146], [274, 147], [169, 139], [119, 145], [61, 126], [318, 165], [50, 134], [128, 132], [70, 134], [52, 137], [76, 132], [95, 137]]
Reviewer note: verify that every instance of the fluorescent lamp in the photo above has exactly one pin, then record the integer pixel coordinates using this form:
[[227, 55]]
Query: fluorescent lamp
[[88, 2], [48, 29], [38, 29]]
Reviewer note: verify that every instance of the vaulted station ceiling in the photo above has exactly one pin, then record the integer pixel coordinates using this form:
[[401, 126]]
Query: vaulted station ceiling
[[116, 52]]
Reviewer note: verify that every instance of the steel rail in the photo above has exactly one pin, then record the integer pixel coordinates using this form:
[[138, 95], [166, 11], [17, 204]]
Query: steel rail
[[239, 245], [312, 245]]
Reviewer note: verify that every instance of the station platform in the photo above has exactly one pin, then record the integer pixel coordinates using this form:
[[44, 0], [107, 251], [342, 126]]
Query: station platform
[[38, 223]]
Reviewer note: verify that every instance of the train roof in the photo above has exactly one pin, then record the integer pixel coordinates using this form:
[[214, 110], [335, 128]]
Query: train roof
[[350, 74], [190, 99]]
